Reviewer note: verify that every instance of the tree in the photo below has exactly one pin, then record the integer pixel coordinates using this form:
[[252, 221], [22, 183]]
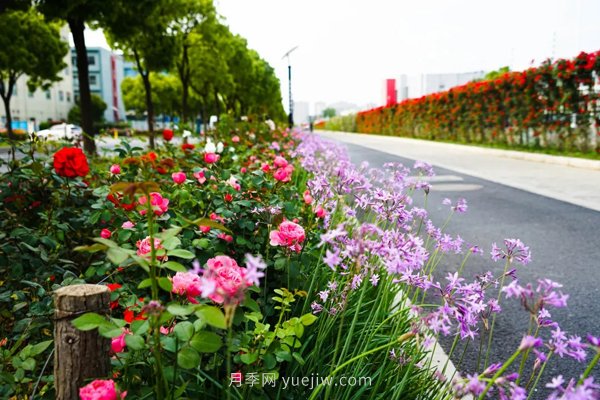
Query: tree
[[329, 112], [29, 46], [98, 108], [190, 14], [77, 13], [140, 30], [166, 94]]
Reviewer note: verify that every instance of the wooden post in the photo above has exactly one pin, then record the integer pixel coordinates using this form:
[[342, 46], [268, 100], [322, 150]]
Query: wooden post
[[78, 355]]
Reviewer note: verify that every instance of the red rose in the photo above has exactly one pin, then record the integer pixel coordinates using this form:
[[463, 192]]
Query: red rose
[[167, 134], [70, 162], [187, 147]]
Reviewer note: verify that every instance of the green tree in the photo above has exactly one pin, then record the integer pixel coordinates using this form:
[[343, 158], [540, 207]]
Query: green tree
[[189, 16], [141, 30], [29, 46], [77, 13], [98, 108], [329, 112], [166, 94]]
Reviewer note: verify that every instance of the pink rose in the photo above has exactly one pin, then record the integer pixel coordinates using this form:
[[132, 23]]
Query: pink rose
[[115, 169], [159, 204], [166, 331], [225, 237], [320, 212], [284, 174], [243, 170], [211, 158], [235, 139], [178, 177], [204, 228], [189, 284], [101, 390], [265, 167], [117, 344], [127, 225], [307, 197], [200, 176], [289, 235], [229, 278], [233, 183], [280, 162], [145, 247]]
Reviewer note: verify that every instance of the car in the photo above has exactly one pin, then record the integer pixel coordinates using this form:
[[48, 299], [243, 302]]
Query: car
[[60, 131]]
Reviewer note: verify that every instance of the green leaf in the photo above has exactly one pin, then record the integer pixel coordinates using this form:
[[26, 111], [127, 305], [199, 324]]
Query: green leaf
[[181, 253], [180, 310], [145, 283], [28, 364], [249, 358], [171, 243], [206, 342], [270, 361], [298, 358], [88, 321], [107, 242], [174, 266], [213, 316], [39, 348], [165, 284], [209, 222], [91, 248], [117, 255], [134, 342], [308, 319], [188, 358], [184, 330], [109, 330]]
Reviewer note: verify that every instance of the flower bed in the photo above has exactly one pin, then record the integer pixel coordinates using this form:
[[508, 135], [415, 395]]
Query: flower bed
[[260, 265], [553, 106]]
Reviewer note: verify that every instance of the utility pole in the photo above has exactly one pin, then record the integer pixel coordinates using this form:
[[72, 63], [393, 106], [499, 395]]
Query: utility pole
[[291, 114]]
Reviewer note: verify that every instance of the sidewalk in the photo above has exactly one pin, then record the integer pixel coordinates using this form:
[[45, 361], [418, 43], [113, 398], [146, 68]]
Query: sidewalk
[[572, 180]]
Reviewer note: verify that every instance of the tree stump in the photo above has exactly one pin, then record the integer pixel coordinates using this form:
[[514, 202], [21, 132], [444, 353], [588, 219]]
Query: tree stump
[[78, 355]]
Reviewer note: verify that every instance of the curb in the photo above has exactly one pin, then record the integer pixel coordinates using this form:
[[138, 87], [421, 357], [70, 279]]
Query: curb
[[518, 155]]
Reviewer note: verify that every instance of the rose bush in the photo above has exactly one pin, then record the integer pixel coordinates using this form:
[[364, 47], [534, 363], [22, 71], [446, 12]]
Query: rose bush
[[328, 272]]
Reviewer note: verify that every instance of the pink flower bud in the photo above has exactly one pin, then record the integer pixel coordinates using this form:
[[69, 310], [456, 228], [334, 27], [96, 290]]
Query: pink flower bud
[[210, 158], [178, 177], [105, 233], [115, 169], [320, 212]]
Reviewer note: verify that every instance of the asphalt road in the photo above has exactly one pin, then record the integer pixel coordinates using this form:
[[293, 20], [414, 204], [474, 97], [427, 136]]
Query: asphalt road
[[565, 244]]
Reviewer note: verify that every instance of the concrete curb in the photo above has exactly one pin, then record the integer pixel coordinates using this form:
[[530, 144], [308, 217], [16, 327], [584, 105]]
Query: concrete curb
[[518, 155]]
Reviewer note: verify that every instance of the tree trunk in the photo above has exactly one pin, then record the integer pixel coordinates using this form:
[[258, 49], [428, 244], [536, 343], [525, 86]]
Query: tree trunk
[[85, 97], [149, 104], [184, 76], [79, 355], [6, 94]]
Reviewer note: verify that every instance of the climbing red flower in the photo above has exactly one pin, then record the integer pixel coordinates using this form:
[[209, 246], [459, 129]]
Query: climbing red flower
[[71, 162]]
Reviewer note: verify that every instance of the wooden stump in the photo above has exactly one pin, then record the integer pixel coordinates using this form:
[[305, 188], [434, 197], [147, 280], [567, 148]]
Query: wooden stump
[[78, 355]]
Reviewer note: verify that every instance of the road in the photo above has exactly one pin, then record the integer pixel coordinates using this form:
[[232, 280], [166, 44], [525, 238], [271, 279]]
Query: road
[[564, 239]]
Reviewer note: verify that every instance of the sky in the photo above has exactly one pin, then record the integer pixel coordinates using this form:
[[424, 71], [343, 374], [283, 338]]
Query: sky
[[347, 48]]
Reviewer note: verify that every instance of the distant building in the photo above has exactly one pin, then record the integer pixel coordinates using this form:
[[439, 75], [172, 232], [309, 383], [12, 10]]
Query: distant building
[[28, 109], [301, 112], [106, 72], [129, 69], [319, 107], [413, 86], [391, 94]]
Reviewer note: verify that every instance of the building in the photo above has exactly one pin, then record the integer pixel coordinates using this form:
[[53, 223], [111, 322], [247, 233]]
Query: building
[[28, 109], [413, 86], [106, 72], [301, 112]]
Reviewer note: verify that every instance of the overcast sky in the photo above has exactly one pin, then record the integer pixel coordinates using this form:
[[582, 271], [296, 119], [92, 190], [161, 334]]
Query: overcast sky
[[348, 47]]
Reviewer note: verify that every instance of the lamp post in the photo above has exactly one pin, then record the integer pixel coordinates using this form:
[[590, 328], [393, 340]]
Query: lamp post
[[291, 114]]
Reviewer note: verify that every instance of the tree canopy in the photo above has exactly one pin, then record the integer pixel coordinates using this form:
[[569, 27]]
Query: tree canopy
[[30, 46]]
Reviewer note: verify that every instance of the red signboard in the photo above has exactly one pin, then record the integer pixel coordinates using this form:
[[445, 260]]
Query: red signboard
[[390, 92]]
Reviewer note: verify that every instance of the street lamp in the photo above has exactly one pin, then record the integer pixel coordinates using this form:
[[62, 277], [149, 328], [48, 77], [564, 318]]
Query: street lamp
[[291, 115]]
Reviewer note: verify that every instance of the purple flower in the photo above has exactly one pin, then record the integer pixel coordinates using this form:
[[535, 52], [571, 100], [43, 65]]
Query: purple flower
[[332, 259], [593, 340], [515, 251], [461, 206], [254, 267], [529, 342]]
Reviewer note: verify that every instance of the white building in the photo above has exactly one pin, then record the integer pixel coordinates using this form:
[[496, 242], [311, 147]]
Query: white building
[[301, 112], [28, 109], [413, 86]]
